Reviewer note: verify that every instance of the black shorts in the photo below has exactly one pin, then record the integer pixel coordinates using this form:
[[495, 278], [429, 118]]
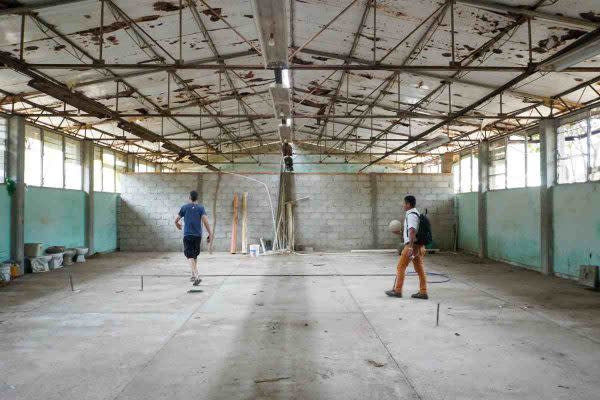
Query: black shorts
[[191, 246]]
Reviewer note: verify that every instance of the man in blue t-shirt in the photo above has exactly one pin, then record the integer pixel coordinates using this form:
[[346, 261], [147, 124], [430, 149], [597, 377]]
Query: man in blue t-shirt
[[194, 216]]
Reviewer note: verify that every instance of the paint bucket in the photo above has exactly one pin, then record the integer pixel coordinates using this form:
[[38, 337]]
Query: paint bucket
[[5, 272], [33, 249], [254, 250]]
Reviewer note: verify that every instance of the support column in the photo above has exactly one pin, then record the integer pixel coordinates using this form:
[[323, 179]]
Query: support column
[[374, 200], [87, 149], [548, 181], [16, 172], [484, 185]]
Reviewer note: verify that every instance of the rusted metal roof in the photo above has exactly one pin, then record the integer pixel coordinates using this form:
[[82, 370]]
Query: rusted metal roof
[[226, 108]]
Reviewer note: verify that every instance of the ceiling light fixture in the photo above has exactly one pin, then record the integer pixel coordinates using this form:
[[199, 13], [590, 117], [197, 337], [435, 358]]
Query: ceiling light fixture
[[431, 144], [281, 100], [285, 78], [271, 18], [584, 49]]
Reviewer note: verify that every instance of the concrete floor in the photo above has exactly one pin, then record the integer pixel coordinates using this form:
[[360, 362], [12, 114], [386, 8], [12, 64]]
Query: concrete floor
[[296, 327]]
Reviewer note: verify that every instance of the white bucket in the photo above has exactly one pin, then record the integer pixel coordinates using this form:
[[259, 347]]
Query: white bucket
[[254, 250], [5, 272]]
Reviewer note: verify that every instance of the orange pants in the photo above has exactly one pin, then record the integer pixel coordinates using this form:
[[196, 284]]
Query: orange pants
[[419, 254]]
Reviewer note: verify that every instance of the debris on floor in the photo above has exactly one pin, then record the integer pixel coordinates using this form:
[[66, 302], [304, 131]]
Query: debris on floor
[[376, 364], [269, 380]]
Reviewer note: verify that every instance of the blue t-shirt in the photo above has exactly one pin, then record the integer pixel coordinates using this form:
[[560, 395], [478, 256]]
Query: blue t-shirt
[[192, 217]]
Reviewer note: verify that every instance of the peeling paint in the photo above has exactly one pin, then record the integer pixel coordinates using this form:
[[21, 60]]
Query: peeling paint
[[300, 61], [591, 16], [166, 6], [211, 13]]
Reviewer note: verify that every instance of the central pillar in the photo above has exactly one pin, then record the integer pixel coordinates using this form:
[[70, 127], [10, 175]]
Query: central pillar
[[16, 173], [548, 181], [87, 150], [484, 185]]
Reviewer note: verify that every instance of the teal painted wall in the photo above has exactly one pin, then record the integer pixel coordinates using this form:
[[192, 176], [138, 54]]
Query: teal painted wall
[[576, 227], [105, 221], [54, 217], [468, 220], [513, 226], [4, 224]]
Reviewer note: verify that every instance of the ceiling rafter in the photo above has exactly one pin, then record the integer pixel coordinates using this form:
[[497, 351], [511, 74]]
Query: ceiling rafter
[[474, 105], [419, 44], [474, 55], [114, 75], [140, 33]]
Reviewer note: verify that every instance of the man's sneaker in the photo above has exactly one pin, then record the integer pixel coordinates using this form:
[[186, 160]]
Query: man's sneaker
[[393, 293], [420, 295], [197, 281]]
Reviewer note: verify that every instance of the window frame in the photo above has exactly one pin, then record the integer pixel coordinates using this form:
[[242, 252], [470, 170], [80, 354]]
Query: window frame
[[474, 173], [64, 138], [584, 115], [505, 162]]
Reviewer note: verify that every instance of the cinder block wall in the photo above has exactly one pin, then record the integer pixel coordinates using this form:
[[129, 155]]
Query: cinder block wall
[[343, 211]]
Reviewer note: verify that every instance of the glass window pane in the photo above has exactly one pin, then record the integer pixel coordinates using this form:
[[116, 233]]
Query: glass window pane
[[455, 174], [73, 173], [497, 169], [33, 156], [108, 171], [53, 160], [595, 145], [475, 173], [515, 162], [3, 137], [534, 177], [465, 174], [121, 167], [97, 169], [572, 152]]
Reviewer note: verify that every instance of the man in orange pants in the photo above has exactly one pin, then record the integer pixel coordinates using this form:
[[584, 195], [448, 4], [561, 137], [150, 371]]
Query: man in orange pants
[[411, 252]]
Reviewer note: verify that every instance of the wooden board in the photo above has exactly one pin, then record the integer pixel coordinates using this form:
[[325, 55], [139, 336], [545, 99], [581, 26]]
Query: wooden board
[[234, 224], [245, 223]]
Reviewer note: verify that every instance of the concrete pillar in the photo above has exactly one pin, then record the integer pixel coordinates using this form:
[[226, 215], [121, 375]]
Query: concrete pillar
[[374, 200], [87, 158], [447, 160], [548, 181], [16, 172], [417, 169], [484, 185]]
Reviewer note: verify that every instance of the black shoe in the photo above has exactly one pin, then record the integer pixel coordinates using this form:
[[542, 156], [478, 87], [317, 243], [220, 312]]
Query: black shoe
[[197, 281], [393, 293], [420, 295], [192, 278]]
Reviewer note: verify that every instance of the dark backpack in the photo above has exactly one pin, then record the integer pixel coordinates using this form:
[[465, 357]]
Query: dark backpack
[[424, 236]]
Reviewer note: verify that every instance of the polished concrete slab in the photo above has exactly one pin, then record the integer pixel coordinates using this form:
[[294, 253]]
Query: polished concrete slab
[[315, 326]]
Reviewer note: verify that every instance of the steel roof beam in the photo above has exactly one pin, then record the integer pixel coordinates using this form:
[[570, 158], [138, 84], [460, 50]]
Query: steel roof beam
[[512, 11], [471, 107]]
